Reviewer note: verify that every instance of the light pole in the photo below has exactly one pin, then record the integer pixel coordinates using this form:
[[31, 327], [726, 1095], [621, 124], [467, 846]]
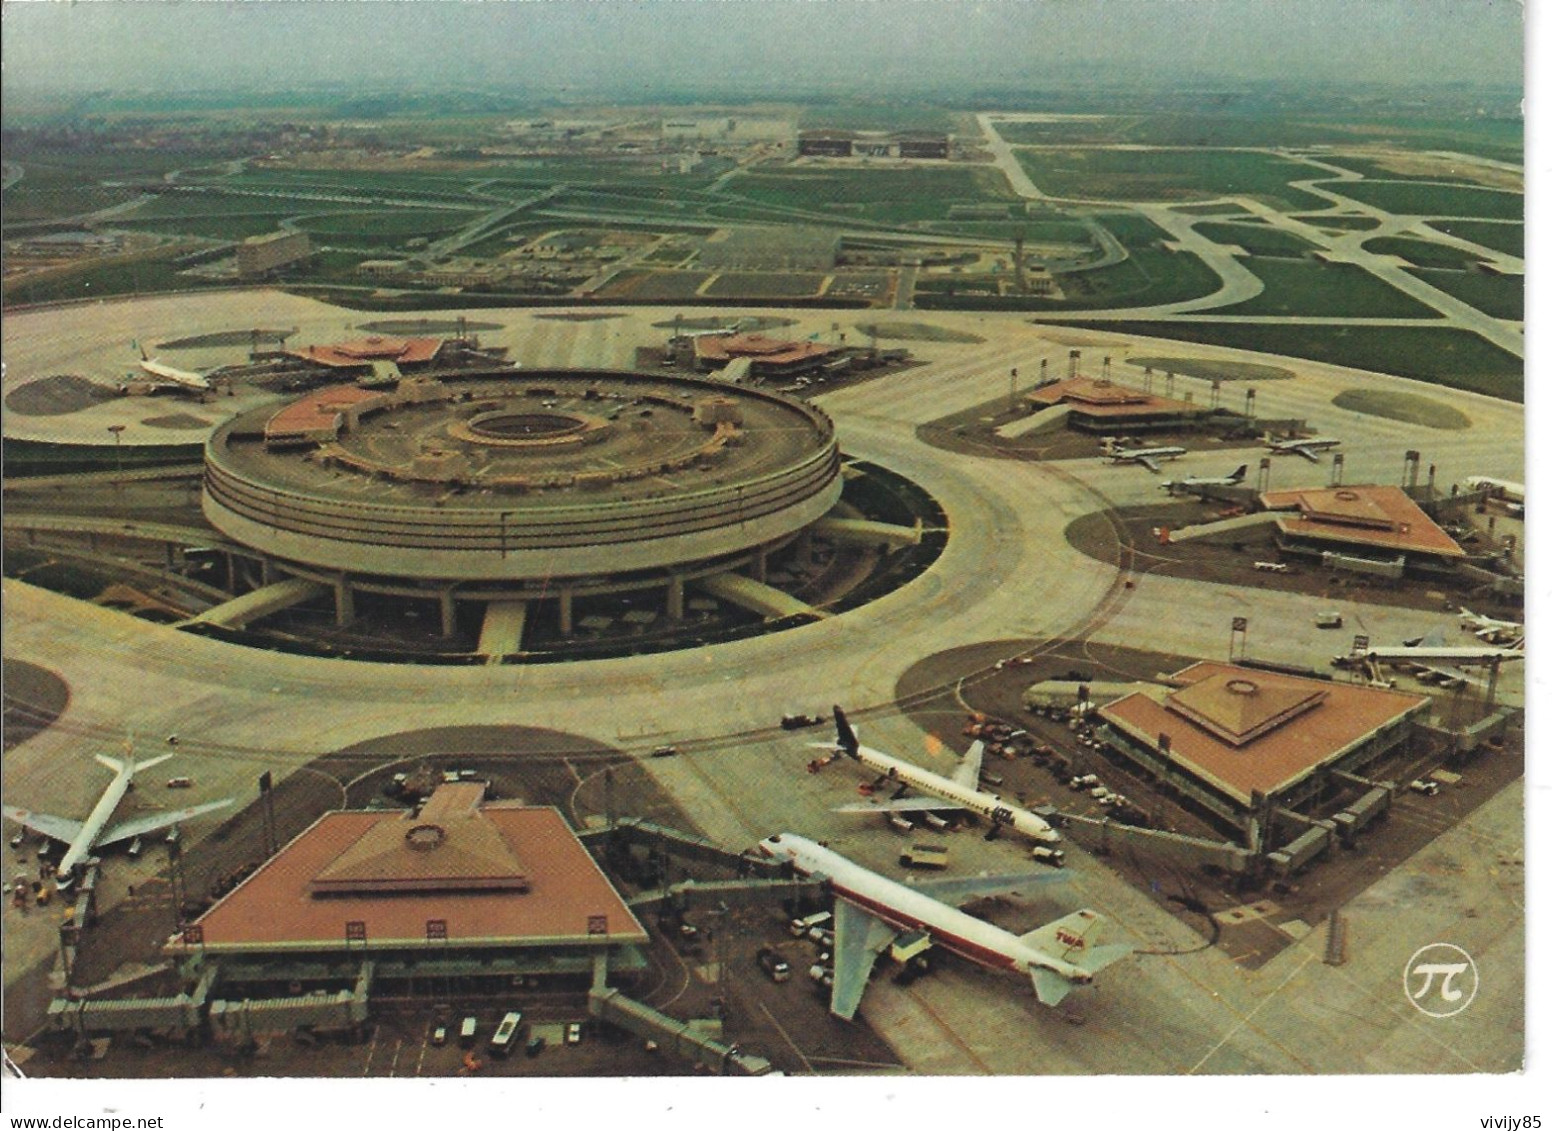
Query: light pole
[[118, 464]]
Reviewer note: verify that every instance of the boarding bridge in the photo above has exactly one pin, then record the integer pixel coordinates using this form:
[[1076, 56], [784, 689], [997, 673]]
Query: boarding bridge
[[675, 1036]]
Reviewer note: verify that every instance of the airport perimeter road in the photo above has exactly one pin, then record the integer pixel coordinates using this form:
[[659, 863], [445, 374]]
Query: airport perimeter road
[[1007, 573]]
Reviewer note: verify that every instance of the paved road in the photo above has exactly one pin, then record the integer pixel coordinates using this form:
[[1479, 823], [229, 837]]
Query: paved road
[[1006, 573]]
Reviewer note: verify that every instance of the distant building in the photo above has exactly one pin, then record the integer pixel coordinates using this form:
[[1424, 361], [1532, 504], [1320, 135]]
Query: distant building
[[767, 357], [874, 143], [257, 256], [1097, 405]]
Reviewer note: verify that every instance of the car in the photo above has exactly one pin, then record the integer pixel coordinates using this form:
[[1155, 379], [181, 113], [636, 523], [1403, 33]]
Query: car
[[574, 1033], [1426, 788], [534, 1046], [179, 783], [774, 965], [798, 722], [664, 751], [1328, 620], [439, 1036]]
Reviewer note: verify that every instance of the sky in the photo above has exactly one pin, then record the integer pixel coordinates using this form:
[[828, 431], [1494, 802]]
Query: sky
[[760, 45]]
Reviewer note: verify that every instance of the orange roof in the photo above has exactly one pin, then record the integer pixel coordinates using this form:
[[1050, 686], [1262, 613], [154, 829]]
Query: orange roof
[[568, 900], [367, 350], [1098, 397], [1383, 517], [1246, 730], [316, 411], [716, 347]]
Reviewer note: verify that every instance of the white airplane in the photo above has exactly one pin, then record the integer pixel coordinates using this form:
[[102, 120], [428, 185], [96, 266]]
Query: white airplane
[[962, 791], [82, 837], [1506, 632], [1502, 488], [1148, 457], [1309, 448], [1194, 482], [170, 375], [871, 911]]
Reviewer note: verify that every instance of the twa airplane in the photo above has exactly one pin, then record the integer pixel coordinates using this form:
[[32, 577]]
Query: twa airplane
[[170, 376], [1148, 457], [871, 911], [1192, 483], [962, 791], [94, 832], [1310, 449]]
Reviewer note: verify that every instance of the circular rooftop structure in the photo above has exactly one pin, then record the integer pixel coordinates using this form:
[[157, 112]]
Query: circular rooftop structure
[[506, 477]]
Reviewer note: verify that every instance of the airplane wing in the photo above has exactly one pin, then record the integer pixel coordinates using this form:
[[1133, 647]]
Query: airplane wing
[[153, 822], [1150, 463], [957, 889], [1452, 677], [62, 829], [858, 939], [968, 772], [898, 805], [1300, 450]]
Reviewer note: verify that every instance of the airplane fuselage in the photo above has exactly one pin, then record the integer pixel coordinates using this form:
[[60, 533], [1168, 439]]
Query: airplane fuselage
[[81, 847], [987, 805], [903, 907]]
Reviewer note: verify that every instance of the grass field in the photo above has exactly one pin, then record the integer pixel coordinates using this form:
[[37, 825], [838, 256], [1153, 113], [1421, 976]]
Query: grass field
[[387, 228], [132, 275], [893, 195], [1258, 239], [1500, 296], [1209, 369], [1441, 356], [1335, 290], [878, 116], [1508, 238], [1344, 223], [210, 227], [1421, 253], [1383, 171], [1409, 408], [1166, 175], [1419, 198]]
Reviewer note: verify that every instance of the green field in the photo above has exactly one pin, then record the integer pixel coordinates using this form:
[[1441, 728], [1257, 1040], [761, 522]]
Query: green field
[[1167, 175], [1209, 369], [1422, 253], [1380, 171], [1499, 296], [876, 116], [1409, 408], [1258, 239], [387, 228], [1440, 356], [139, 275], [1343, 223], [1333, 290], [210, 227], [1508, 238], [1418, 198], [894, 196]]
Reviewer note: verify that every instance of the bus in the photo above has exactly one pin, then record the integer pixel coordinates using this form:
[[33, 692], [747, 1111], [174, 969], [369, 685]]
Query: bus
[[506, 1034]]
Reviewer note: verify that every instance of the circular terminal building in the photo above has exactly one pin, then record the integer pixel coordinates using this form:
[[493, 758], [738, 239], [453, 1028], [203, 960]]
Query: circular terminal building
[[510, 487]]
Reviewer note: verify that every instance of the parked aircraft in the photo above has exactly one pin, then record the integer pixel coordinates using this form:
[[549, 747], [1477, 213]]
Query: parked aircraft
[[871, 911], [1148, 457], [82, 837], [1193, 483], [1500, 488], [1509, 633], [170, 376], [962, 791], [1309, 448]]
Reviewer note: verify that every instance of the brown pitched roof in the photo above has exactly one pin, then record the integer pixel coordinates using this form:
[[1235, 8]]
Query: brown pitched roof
[[1098, 397], [1383, 517]]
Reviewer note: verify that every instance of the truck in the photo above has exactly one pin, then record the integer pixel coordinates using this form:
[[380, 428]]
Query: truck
[[801, 927], [466, 1031]]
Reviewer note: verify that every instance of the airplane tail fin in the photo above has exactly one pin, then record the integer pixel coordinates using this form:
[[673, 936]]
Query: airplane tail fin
[[157, 761], [112, 763], [1239, 472], [1072, 938], [845, 736], [117, 765], [1050, 988]]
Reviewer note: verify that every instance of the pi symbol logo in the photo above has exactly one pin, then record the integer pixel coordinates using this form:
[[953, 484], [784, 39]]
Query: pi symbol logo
[[1440, 979]]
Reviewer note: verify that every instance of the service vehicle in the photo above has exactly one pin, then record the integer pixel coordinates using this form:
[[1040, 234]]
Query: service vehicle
[[506, 1033], [1423, 786], [1328, 620], [574, 1033], [800, 927], [467, 1030], [1046, 855], [439, 1036], [774, 965], [664, 751], [925, 856], [535, 1046]]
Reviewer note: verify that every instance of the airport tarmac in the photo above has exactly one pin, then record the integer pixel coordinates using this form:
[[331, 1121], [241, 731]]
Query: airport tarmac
[[1007, 572]]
